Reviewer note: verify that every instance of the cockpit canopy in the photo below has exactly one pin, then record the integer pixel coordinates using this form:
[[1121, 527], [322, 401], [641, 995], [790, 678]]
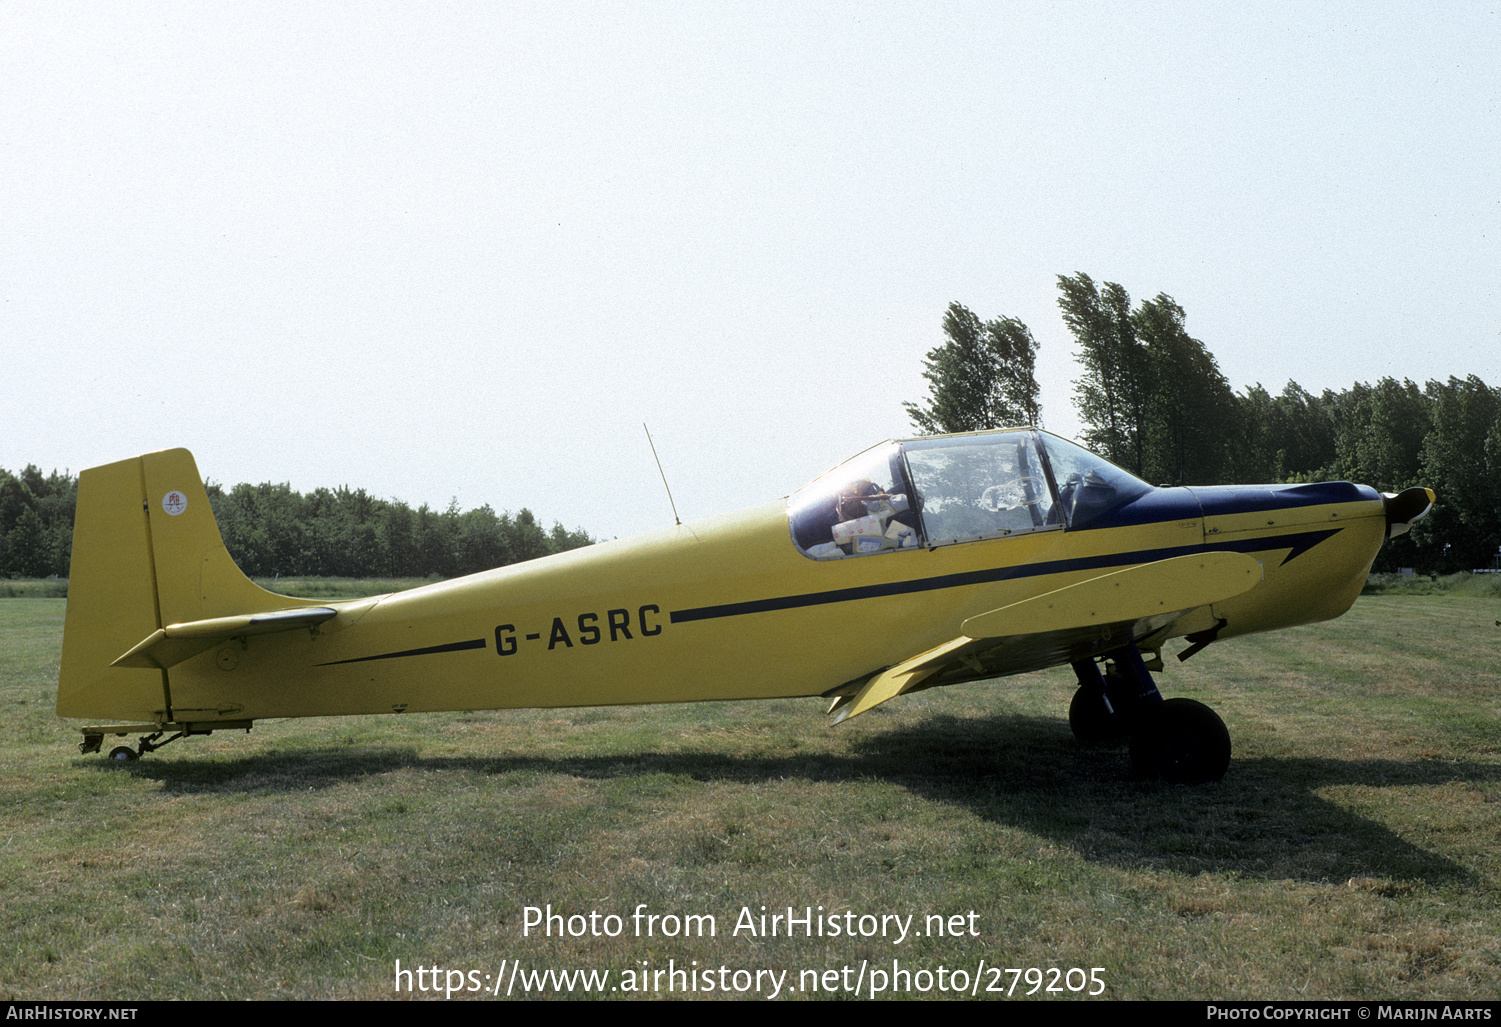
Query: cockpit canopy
[[946, 489]]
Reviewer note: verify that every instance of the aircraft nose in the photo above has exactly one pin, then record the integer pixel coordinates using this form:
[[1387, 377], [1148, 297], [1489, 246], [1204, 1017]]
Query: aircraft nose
[[1406, 508]]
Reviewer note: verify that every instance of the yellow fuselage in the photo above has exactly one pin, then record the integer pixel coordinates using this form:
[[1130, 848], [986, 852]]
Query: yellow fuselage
[[162, 628], [728, 609]]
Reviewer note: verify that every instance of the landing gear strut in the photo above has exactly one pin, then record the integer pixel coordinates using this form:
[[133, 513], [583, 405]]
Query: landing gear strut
[[1093, 718], [1177, 740]]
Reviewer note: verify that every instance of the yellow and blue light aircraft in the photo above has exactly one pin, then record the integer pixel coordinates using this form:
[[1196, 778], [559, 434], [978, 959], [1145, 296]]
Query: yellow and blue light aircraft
[[920, 562]]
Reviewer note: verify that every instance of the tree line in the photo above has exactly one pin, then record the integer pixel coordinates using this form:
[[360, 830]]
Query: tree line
[[274, 530], [1153, 400]]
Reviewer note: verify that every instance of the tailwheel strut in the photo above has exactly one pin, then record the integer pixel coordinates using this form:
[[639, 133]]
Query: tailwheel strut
[[145, 744]]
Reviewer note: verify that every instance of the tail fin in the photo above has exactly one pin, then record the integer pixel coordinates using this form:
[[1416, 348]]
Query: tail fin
[[146, 554]]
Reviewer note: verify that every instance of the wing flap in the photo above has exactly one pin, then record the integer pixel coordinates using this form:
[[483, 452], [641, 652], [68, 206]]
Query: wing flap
[[903, 677], [1072, 622]]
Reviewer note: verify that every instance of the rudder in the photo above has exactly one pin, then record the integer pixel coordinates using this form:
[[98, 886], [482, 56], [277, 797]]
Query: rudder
[[147, 553]]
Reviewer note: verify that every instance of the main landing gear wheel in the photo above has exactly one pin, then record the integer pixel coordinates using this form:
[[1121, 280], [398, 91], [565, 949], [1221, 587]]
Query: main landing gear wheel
[[123, 753], [1092, 720], [1182, 742]]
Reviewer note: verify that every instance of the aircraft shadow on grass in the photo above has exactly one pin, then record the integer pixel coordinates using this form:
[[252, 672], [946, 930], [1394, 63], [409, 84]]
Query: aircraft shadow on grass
[[1266, 820]]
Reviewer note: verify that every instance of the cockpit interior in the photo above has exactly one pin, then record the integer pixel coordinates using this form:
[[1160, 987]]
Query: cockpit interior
[[943, 490]]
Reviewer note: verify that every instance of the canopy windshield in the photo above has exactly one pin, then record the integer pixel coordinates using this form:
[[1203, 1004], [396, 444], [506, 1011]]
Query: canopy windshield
[[861, 507], [1089, 486], [954, 488]]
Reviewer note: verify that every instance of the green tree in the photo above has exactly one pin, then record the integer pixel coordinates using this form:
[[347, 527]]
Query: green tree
[[561, 540], [265, 527], [397, 534], [1301, 434], [984, 376], [36, 522], [1252, 457], [1464, 529], [29, 548], [1113, 394], [14, 497], [1380, 432], [481, 543], [433, 536], [1150, 391], [271, 529], [342, 535], [524, 536], [1189, 404]]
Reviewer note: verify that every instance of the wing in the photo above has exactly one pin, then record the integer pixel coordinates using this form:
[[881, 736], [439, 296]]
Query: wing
[[1068, 624]]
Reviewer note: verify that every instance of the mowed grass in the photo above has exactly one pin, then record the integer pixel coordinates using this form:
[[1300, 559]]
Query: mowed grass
[[1353, 850]]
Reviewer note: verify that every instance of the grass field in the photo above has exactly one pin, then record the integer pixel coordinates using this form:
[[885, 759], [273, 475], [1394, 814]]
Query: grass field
[[1353, 850]]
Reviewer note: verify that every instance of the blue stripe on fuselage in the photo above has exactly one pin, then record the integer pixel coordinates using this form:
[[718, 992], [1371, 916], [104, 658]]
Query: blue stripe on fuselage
[[1298, 543]]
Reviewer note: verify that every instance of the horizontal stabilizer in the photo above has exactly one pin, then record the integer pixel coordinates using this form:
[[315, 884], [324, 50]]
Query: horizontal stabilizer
[[1075, 617], [169, 646]]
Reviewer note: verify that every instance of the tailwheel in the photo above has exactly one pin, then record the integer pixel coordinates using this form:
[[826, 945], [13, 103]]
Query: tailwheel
[[1181, 741], [147, 743], [1092, 719]]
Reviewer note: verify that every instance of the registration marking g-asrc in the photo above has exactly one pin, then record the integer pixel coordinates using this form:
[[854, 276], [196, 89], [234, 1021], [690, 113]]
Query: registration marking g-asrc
[[589, 628]]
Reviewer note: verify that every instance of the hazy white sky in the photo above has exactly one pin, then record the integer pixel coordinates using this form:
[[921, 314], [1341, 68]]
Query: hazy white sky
[[465, 250]]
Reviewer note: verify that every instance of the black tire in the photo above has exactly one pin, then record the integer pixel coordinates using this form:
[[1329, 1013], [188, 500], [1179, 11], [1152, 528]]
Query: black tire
[[1182, 742], [123, 753], [1091, 720]]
